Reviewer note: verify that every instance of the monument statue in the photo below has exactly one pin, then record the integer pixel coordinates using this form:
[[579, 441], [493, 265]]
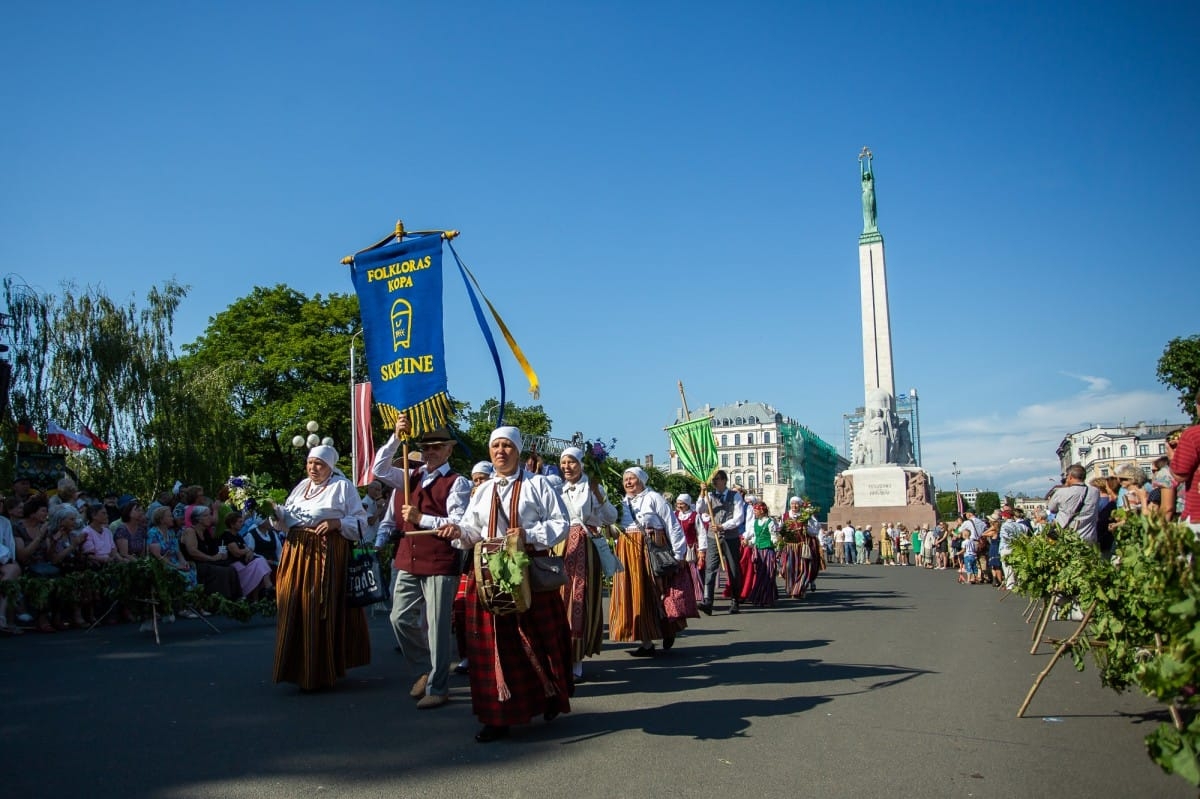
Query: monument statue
[[868, 190]]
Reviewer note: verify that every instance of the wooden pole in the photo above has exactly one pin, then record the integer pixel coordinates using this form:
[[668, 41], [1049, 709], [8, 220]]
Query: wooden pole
[[1040, 627], [1087, 617], [687, 415]]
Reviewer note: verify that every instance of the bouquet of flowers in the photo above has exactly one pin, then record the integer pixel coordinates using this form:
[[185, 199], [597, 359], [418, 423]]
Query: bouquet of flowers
[[595, 459], [246, 493], [795, 526]]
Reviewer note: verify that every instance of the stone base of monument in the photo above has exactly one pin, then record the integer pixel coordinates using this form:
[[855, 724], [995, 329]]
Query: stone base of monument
[[881, 495]]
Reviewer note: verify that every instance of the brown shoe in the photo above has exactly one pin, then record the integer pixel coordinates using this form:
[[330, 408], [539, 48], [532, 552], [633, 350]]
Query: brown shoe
[[432, 700], [418, 689]]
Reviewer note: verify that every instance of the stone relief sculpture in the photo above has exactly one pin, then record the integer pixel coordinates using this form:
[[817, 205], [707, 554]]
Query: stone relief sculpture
[[843, 490]]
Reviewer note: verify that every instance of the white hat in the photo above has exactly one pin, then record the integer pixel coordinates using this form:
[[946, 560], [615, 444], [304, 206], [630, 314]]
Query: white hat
[[573, 452], [326, 454], [483, 467], [638, 472], [511, 433], [686, 499]]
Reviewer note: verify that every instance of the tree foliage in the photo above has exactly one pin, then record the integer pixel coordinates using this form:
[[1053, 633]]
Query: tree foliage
[[1179, 368], [947, 505], [280, 359], [80, 358], [986, 502]]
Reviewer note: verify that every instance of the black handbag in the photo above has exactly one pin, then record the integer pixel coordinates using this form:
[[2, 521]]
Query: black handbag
[[662, 558], [364, 583], [547, 573]]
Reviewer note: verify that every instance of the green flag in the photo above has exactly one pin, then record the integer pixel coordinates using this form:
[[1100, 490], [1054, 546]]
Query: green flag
[[696, 447]]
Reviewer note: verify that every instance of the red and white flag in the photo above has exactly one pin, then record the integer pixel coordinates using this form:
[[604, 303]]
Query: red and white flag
[[58, 437], [363, 452], [96, 441]]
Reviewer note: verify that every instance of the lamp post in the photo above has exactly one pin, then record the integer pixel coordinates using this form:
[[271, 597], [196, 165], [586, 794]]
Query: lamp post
[[312, 439], [957, 494]]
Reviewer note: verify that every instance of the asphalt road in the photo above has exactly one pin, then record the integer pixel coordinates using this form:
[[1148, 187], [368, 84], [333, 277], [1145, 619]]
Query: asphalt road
[[888, 681]]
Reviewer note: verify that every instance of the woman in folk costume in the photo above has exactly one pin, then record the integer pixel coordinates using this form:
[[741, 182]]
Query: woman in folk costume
[[588, 509], [685, 512], [480, 473], [520, 664], [317, 635], [800, 572], [636, 608], [761, 536]]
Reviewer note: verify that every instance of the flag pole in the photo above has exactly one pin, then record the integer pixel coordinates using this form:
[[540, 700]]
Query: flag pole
[[687, 416]]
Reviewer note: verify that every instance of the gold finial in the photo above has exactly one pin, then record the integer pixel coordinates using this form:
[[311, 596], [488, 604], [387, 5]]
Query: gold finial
[[348, 260], [399, 228], [449, 234]]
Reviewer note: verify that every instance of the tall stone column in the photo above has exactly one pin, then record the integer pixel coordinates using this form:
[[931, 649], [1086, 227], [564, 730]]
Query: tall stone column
[[876, 324]]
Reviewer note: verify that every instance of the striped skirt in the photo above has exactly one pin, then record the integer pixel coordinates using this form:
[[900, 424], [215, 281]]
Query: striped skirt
[[764, 590], [635, 608], [520, 664], [582, 594], [317, 635]]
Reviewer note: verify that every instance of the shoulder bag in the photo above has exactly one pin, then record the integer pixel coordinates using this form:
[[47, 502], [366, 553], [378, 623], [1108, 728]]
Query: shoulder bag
[[364, 584]]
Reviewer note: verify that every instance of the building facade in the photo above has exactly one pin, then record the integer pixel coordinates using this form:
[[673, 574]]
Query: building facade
[[1102, 449], [770, 455]]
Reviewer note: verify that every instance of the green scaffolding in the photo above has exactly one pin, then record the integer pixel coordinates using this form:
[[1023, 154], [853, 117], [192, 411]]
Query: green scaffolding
[[808, 465]]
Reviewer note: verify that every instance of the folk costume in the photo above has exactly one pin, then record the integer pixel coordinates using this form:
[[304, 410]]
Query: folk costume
[[317, 635], [762, 534], [726, 512], [636, 606], [588, 509], [427, 567], [520, 664]]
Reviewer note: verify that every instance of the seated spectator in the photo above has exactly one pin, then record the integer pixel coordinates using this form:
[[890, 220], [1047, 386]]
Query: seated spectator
[[254, 573], [67, 494], [33, 551], [99, 546], [162, 542], [260, 536], [9, 570], [188, 496], [65, 548], [200, 545], [130, 531]]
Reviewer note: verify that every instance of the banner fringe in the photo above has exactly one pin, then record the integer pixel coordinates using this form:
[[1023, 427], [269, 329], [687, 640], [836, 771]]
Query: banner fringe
[[426, 416]]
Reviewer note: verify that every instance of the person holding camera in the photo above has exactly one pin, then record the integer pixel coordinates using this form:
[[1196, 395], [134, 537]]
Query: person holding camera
[[1075, 504]]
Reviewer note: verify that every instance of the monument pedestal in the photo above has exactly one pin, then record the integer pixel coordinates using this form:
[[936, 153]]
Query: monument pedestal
[[882, 495]]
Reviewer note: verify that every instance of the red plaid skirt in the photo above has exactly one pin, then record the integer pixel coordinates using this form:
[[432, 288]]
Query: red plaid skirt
[[500, 648]]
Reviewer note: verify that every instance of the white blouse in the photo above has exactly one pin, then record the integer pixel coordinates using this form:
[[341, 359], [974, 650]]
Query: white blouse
[[584, 508], [651, 510], [308, 505], [540, 512]]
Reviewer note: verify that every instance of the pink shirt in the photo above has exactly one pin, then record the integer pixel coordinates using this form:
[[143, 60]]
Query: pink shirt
[[99, 545]]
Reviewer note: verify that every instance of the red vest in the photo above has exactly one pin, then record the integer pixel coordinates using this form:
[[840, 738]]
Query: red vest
[[425, 554]]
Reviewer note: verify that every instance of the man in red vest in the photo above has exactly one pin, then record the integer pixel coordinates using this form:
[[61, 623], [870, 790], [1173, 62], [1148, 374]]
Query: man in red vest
[[426, 565]]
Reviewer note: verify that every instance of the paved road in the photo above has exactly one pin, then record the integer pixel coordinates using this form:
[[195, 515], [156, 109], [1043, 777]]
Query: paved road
[[886, 682]]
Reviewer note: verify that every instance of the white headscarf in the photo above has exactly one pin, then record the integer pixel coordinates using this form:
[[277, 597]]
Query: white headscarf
[[326, 454], [639, 473], [686, 499], [573, 452], [483, 467], [511, 433]]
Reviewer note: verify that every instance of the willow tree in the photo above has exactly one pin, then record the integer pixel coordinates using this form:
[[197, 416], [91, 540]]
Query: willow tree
[[282, 360], [79, 358]]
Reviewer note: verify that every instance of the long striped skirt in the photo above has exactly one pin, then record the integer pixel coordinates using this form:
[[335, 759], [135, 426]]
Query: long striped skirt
[[520, 664], [764, 590], [582, 594], [799, 573], [635, 608], [317, 635]]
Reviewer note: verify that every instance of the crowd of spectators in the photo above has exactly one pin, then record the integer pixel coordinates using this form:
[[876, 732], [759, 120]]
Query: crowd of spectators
[[229, 551]]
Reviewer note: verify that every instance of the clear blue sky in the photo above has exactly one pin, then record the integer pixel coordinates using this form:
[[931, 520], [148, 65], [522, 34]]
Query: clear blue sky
[[652, 191]]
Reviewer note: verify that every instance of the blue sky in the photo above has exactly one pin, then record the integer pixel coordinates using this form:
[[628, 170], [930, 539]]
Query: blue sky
[[652, 191]]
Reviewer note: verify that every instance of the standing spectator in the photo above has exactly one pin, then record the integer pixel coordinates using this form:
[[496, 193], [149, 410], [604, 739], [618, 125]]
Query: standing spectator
[[1075, 504], [839, 541], [868, 544], [848, 542], [374, 505], [1185, 462], [929, 538], [1010, 530]]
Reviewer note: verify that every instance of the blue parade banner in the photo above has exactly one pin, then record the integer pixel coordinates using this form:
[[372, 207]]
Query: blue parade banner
[[399, 289]]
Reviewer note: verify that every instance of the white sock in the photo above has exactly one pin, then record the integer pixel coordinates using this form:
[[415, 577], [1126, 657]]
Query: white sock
[[578, 670]]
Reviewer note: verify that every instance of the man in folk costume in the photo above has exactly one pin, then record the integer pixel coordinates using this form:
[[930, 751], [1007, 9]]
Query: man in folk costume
[[427, 565], [520, 662], [726, 512]]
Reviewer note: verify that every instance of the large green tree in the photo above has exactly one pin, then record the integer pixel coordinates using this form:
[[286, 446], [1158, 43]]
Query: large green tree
[[282, 360], [1179, 368], [987, 502]]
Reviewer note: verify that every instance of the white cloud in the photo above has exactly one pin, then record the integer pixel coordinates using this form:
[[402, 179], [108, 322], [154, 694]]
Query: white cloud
[[1095, 385], [1016, 452]]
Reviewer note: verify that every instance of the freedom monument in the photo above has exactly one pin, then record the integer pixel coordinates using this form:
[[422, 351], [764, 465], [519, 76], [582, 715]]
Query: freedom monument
[[883, 483]]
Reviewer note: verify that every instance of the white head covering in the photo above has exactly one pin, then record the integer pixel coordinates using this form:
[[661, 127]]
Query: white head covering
[[686, 499], [326, 454], [511, 433], [573, 452], [483, 467], [791, 500], [637, 472]]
